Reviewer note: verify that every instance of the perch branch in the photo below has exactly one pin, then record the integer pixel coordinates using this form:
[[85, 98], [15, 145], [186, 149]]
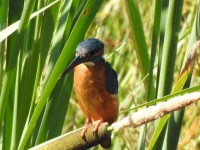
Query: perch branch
[[74, 141]]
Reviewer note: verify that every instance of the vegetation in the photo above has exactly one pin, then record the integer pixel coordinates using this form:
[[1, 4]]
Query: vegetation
[[146, 42]]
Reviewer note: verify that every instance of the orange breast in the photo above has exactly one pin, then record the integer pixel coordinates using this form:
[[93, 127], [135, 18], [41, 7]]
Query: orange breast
[[94, 100]]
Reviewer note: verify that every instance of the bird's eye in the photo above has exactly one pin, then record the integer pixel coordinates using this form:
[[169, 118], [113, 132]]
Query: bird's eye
[[92, 53]]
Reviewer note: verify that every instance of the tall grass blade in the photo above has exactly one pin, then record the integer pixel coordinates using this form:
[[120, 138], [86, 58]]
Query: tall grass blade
[[77, 34], [138, 37], [170, 47], [11, 67], [55, 51], [176, 118]]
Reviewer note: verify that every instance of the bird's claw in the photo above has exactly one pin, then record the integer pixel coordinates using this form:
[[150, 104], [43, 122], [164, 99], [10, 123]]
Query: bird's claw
[[97, 126], [87, 124]]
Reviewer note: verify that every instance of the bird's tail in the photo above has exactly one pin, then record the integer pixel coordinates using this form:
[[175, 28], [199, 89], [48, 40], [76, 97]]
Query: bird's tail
[[106, 144]]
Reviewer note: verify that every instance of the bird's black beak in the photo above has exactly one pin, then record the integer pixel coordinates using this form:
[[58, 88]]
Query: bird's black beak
[[78, 60]]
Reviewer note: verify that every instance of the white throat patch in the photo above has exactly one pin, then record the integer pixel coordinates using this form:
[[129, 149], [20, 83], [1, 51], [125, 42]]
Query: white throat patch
[[89, 63]]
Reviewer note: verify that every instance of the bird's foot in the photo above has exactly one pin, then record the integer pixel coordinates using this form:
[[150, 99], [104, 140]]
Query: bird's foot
[[87, 124], [97, 125]]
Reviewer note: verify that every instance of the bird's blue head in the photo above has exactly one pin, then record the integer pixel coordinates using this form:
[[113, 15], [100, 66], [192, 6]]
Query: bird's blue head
[[89, 50]]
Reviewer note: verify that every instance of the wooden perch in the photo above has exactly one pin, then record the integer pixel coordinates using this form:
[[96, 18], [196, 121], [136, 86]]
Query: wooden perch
[[74, 141]]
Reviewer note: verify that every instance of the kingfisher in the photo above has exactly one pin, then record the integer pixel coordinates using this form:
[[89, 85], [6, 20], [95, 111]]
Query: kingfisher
[[95, 84]]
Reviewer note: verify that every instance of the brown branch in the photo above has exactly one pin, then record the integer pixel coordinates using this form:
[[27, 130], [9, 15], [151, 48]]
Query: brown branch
[[74, 141]]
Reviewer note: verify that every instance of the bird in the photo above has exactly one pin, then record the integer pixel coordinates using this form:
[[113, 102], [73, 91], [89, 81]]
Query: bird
[[95, 85]]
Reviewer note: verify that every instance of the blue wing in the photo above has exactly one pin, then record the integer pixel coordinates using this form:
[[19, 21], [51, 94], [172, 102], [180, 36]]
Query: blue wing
[[111, 82]]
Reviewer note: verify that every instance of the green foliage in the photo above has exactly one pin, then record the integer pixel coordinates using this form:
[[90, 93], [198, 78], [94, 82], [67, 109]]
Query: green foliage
[[145, 42]]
